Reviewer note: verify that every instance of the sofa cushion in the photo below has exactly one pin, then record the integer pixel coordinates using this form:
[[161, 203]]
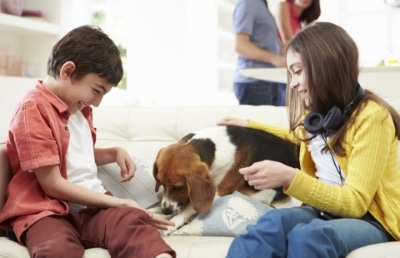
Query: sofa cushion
[[140, 188], [229, 216]]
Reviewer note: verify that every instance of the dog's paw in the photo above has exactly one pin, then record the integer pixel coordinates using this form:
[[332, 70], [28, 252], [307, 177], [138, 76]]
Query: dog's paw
[[179, 222], [170, 231], [157, 211]]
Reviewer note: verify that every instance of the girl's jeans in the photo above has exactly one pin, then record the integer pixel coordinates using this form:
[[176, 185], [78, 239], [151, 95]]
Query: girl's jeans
[[300, 232]]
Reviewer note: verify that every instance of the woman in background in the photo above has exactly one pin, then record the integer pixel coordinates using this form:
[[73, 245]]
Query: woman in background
[[292, 15]]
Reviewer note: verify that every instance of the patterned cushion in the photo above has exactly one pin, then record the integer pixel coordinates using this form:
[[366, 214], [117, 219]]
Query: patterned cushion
[[228, 216]]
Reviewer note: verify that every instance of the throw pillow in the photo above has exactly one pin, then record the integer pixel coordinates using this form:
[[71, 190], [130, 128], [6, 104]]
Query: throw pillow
[[229, 216], [140, 188]]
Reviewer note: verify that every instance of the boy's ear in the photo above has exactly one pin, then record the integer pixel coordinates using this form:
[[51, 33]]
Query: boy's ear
[[67, 69]]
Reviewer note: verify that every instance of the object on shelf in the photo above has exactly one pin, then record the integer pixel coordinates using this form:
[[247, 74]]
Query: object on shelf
[[392, 58], [29, 68], [10, 64], [15, 64], [14, 7], [32, 13], [3, 58]]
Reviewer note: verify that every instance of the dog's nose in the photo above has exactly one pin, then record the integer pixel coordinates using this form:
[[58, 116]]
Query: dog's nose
[[166, 210]]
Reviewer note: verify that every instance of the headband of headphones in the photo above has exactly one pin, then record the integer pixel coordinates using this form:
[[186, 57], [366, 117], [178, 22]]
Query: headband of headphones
[[316, 123], [360, 94]]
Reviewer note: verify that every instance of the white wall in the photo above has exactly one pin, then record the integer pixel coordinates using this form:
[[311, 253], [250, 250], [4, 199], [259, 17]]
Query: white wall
[[10, 97], [373, 25], [171, 49]]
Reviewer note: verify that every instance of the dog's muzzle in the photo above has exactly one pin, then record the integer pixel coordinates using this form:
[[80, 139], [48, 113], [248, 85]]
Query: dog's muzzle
[[169, 207]]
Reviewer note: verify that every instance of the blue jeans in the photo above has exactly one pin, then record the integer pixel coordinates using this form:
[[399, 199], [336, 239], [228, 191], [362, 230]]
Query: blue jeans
[[260, 93], [299, 232]]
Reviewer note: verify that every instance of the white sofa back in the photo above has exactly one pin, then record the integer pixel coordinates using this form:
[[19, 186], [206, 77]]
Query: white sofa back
[[144, 130]]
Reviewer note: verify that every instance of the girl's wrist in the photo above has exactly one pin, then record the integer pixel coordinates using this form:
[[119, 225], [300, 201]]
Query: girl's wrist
[[291, 173]]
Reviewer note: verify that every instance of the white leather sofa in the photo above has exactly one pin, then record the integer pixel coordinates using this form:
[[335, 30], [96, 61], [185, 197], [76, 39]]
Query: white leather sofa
[[143, 131]]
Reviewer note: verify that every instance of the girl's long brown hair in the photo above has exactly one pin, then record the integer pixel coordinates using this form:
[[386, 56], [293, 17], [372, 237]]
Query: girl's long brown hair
[[330, 60]]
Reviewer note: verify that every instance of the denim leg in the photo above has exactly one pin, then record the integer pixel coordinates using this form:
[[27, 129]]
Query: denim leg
[[258, 93], [282, 94], [299, 233], [332, 238], [268, 237]]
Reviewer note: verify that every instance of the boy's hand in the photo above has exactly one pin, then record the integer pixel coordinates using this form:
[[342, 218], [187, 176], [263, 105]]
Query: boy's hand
[[126, 163], [156, 221], [159, 222]]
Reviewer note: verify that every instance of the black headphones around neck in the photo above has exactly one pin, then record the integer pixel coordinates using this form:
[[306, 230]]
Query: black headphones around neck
[[316, 123]]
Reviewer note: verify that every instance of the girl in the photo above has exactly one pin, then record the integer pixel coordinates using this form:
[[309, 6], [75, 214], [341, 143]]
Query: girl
[[349, 178]]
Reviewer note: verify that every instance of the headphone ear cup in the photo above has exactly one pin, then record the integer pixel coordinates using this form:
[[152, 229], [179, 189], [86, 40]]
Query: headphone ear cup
[[333, 119], [313, 123]]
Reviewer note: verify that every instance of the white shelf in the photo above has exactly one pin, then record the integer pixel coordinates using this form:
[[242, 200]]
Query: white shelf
[[382, 80], [26, 26], [26, 42]]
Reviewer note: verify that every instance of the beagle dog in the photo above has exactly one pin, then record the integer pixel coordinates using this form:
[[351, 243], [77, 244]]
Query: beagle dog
[[204, 165]]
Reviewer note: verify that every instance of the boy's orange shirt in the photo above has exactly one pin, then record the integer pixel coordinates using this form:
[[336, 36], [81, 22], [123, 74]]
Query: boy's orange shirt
[[38, 137]]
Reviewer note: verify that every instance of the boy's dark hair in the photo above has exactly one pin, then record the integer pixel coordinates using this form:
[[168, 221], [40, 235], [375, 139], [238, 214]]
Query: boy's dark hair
[[92, 51]]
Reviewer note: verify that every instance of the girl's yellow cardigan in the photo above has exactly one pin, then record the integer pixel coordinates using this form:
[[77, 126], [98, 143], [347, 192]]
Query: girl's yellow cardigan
[[370, 164]]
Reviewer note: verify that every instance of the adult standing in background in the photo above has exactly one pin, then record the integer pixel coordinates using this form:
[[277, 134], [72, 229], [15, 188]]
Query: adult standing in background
[[292, 15], [258, 46]]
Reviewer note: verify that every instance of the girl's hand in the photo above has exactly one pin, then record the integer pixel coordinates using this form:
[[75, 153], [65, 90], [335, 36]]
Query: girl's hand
[[230, 120], [268, 174]]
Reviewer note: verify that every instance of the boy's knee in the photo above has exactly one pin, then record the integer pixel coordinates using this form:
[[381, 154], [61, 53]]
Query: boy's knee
[[61, 244], [57, 248]]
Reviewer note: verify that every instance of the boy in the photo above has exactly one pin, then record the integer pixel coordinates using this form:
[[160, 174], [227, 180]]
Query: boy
[[56, 205]]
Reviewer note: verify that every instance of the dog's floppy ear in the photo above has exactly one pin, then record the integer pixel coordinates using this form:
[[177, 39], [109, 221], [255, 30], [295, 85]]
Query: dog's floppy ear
[[186, 138], [201, 188], [155, 172]]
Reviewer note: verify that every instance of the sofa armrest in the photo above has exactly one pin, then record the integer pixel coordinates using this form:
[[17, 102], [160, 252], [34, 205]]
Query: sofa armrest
[[383, 250], [5, 175]]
